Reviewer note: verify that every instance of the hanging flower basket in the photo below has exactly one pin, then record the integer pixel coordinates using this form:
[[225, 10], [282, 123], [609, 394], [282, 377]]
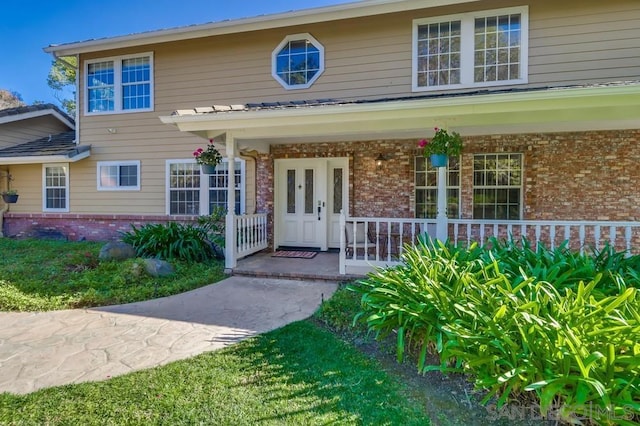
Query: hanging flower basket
[[439, 160], [207, 169], [441, 147], [10, 198], [208, 158]]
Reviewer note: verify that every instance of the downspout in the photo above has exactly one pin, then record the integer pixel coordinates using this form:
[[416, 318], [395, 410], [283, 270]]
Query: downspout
[[5, 207]]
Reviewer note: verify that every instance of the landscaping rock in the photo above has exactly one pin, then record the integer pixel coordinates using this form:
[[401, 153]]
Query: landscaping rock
[[158, 268], [117, 250], [218, 252]]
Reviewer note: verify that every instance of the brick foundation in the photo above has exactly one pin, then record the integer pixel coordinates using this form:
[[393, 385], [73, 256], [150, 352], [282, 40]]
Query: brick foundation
[[78, 227]]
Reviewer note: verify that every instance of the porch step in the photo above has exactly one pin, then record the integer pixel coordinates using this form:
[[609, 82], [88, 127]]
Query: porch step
[[323, 267], [297, 276]]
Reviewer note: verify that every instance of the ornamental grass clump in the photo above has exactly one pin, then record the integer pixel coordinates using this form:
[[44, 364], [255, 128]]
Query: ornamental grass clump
[[573, 348], [170, 241]]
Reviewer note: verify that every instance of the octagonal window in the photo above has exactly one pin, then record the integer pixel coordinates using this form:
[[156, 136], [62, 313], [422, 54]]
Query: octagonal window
[[298, 61]]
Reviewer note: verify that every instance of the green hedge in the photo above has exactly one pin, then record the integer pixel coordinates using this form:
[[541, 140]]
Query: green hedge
[[553, 324]]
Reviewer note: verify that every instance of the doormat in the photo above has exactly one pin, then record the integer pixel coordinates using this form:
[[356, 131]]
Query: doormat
[[295, 253]]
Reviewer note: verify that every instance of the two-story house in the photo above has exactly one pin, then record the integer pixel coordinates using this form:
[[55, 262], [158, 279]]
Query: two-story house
[[322, 110]]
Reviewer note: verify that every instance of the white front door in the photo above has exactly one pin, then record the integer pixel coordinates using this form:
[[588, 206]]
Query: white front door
[[305, 198]]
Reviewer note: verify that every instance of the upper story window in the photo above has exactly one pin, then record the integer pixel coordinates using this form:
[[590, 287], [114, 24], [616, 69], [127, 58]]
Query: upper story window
[[120, 84], [118, 175], [485, 48], [298, 61]]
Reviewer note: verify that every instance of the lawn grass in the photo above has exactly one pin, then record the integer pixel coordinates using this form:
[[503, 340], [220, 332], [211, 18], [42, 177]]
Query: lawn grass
[[37, 275], [299, 374]]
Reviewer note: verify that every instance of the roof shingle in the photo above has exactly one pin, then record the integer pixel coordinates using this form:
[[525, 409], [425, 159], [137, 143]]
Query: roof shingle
[[60, 144]]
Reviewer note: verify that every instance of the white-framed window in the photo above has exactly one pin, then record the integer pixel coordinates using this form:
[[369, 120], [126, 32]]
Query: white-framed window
[[118, 175], [190, 193], [475, 49], [426, 187], [218, 186], [497, 186], [119, 84], [55, 187], [298, 61]]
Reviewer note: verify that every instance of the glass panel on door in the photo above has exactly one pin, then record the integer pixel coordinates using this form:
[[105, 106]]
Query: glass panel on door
[[308, 191], [291, 191], [337, 190]]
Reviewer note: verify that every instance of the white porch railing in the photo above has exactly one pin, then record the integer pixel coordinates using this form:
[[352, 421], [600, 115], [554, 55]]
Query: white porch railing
[[251, 234], [369, 242]]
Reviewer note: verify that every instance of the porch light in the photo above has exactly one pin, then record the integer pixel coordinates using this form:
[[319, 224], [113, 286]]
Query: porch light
[[379, 159]]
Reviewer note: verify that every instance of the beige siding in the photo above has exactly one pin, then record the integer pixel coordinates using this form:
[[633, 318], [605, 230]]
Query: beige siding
[[21, 131], [584, 42], [27, 179], [571, 42]]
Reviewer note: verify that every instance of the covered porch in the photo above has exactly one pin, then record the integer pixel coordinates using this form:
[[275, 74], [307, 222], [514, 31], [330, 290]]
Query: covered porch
[[324, 131], [387, 238]]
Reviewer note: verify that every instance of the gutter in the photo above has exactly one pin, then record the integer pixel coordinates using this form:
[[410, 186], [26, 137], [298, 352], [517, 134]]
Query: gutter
[[77, 154]]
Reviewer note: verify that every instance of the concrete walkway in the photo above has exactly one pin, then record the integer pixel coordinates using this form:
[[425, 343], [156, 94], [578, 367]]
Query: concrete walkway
[[39, 350]]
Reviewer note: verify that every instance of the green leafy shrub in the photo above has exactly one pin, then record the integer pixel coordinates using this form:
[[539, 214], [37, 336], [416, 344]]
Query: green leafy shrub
[[564, 268], [214, 225], [170, 241], [541, 331]]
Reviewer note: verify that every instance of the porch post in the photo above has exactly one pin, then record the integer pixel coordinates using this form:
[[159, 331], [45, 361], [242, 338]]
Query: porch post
[[343, 244], [230, 245], [442, 223]]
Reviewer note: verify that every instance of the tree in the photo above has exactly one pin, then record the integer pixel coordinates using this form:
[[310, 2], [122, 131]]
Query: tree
[[62, 75], [10, 99]]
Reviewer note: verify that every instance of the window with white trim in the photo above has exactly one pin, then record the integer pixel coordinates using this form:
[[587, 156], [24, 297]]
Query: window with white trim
[[119, 84], [485, 48], [55, 187], [218, 187], [497, 186], [190, 193], [426, 187], [298, 61], [118, 175]]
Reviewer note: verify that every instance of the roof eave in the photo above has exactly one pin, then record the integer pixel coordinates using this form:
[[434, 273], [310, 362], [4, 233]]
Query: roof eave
[[278, 20], [470, 115], [35, 114], [74, 156]]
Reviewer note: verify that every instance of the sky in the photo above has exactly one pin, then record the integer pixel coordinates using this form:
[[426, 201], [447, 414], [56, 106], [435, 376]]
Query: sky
[[27, 26]]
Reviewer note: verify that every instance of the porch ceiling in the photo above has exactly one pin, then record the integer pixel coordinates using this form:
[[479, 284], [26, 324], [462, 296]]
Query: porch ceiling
[[606, 107]]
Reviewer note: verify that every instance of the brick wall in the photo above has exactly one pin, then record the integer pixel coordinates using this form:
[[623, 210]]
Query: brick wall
[[78, 227], [567, 176]]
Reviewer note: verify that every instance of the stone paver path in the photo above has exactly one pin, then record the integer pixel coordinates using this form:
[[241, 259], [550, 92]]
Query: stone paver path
[[39, 350]]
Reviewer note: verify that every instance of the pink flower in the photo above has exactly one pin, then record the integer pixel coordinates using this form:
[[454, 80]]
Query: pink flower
[[195, 153], [422, 143], [211, 141], [200, 150], [436, 129]]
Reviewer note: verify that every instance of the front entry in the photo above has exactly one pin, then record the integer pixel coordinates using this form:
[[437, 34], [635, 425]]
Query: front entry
[[309, 195]]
